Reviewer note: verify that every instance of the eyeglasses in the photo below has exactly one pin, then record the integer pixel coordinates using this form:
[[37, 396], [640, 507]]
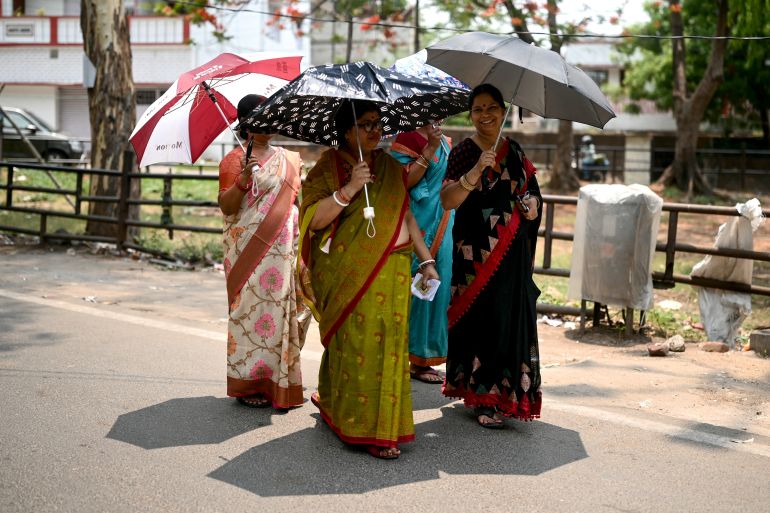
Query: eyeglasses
[[371, 125]]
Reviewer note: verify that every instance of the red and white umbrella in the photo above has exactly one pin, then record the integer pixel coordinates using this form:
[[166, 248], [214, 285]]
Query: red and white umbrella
[[181, 124]]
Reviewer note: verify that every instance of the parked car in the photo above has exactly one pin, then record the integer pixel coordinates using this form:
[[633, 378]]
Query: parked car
[[50, 144]]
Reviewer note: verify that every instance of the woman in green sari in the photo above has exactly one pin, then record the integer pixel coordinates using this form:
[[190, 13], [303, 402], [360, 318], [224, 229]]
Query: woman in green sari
[[358, 284]]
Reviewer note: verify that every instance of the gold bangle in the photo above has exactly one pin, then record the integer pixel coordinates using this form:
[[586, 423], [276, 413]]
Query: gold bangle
[[466, 184]]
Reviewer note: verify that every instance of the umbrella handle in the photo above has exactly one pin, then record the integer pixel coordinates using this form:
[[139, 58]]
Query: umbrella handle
[[216, 104], [368, 210]]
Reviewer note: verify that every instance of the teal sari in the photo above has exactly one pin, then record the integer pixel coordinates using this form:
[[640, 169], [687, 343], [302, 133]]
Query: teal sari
[[428, 319]]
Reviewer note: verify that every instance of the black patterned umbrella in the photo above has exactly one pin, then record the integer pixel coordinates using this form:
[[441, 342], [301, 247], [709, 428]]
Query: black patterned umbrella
[[305, 108]]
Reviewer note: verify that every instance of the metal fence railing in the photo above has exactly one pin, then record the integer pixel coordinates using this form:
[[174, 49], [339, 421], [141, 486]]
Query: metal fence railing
[[672, 246]]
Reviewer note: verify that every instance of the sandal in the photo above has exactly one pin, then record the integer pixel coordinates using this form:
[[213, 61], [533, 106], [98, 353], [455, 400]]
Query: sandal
[[255, 401], [487, 418], [383, 453], [425, 374], [316, 400]]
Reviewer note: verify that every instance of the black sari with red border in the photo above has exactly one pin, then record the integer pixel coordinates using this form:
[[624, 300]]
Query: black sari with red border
[[493, 358]]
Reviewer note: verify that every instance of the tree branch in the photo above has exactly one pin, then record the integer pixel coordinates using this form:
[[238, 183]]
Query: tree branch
[[714, 73]]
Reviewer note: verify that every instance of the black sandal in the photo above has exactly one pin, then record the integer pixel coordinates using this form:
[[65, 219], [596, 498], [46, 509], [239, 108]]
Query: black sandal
[[261, 401], [489, 412]]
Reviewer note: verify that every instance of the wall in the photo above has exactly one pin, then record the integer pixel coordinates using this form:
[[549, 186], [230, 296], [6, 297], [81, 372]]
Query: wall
[[6, 7], [41, 100], [44, 7], [42, 65]]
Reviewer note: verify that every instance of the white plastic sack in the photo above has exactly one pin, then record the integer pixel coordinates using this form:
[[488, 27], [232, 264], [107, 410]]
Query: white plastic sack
[[616, 229], [723, 312]]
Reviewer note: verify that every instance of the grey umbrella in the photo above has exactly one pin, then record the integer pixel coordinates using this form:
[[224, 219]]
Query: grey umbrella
[[531, 77]]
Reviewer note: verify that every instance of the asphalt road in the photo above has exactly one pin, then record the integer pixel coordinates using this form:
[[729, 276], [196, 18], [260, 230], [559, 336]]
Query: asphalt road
[[124, 409]]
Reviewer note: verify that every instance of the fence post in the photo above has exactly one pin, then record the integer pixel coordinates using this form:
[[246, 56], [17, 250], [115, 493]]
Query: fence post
[[743, 167], [673, 219], [78, 191], [548, 238], [125, 191], [9, 190], [165, 216], [43, 227]]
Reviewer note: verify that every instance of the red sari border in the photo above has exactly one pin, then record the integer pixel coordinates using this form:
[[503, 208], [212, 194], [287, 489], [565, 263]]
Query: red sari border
[[281, 397], [426, 362], [521, 410], [356, 440]]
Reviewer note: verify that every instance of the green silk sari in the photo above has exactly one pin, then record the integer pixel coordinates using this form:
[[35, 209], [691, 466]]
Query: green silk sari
[[358, 289]]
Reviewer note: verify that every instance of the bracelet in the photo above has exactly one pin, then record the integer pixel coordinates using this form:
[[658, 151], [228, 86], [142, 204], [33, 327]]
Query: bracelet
[[338, 202], [423, 159], [421, 164], [342, 195], [243, 188], [426, 262], [466, 184]]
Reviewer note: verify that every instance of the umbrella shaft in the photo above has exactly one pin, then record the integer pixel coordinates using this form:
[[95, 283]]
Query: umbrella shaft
[[216, 104], [500, 133]]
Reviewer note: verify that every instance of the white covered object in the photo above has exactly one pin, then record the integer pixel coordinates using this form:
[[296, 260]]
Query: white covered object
[[722, 312], [615, 233]]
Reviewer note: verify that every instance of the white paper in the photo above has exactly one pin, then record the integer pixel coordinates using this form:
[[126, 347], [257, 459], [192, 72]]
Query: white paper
[[427, 291]]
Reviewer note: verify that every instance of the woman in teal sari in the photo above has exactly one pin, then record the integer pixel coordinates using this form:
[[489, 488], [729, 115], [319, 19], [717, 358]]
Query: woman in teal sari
[[358, 285], [425, 154]]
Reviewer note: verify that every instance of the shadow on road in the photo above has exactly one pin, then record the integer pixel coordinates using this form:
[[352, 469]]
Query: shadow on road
[[188, 421], [20, 323], [313, 461], [427, 396]]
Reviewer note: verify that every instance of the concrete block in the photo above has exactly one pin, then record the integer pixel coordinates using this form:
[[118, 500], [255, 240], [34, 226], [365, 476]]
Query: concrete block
[[760, 342]]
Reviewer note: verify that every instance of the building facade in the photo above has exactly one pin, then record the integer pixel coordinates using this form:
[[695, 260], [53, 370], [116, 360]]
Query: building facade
[[41, 48]]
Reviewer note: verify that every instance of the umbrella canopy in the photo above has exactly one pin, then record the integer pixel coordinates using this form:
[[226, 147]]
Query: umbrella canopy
[[181, 124], [415, 65], [531, 77], [305, 108]]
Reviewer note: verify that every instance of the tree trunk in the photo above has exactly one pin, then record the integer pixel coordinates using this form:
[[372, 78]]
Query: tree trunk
[[111, 103], [684, 171], [563, 178]]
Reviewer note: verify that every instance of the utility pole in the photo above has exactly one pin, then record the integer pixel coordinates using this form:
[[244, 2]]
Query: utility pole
[[417, 46]]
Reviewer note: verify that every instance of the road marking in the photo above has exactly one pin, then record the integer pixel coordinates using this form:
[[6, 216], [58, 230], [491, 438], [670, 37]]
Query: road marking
[[582, 411], [132, 319], [660, 427]]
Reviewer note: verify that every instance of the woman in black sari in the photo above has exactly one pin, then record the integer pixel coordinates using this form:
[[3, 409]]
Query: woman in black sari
[[493, 361]]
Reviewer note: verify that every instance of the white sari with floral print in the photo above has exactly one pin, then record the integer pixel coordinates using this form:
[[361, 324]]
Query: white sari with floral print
[[264, 338]]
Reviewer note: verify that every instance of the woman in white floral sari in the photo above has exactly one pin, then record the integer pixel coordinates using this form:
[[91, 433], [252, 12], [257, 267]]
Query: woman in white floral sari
[[265, 332]]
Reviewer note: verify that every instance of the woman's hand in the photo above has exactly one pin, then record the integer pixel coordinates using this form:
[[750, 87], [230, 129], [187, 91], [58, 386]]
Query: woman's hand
[[434, 138], [246, 168], [428, 273], [359, 177], [531, 202], [487, 159]]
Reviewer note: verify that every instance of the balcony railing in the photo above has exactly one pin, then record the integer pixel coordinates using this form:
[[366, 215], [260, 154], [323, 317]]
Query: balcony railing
[[65, 30]]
